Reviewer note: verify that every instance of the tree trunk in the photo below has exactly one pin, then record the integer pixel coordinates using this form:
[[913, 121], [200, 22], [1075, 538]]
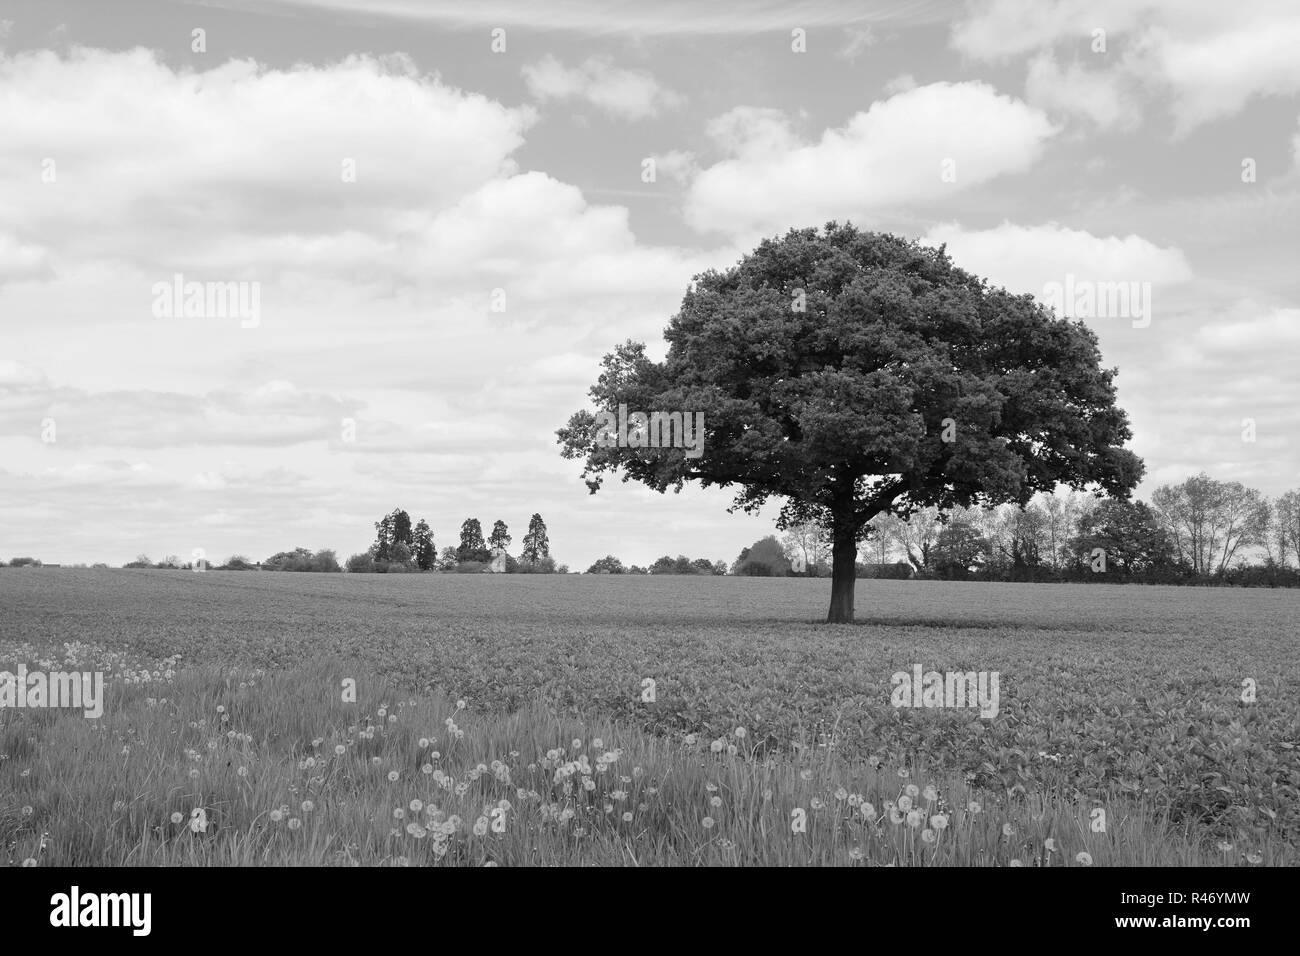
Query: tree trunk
[[844, 557]]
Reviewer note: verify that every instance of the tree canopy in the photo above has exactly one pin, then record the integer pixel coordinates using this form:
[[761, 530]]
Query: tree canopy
[[854, 373]]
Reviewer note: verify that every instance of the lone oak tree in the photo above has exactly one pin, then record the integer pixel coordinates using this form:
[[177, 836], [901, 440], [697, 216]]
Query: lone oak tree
[[856, 373]]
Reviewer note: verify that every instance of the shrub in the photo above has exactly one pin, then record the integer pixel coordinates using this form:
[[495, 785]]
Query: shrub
[[897, 570], [237, 562], [361, 563], [765, 558], [543, 566]]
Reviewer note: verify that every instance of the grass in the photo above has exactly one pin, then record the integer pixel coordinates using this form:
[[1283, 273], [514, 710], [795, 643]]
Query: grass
[[1123, 700]]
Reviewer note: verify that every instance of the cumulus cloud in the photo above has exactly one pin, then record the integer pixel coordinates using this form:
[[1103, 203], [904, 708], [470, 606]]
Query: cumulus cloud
[[893, 153], [625, 94], [1025, 258], [238, 152], [1207, 58], [1095, 94], [273, 415]]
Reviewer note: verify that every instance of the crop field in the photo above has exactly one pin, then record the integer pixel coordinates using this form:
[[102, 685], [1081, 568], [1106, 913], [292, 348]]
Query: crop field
[[546, 719]]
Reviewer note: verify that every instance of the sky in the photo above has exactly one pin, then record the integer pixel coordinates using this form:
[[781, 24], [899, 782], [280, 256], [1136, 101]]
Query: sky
[[446, 213]]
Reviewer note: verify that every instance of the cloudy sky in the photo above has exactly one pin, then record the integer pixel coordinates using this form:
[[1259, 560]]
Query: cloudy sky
[[380, 167]]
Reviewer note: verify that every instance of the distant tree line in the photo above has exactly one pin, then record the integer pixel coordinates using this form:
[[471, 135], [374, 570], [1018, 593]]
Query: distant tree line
[[1195, 532], [403, 548], [665, 565]]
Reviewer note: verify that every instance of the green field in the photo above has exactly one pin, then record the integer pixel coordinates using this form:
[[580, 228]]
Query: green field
[[1123, 699]]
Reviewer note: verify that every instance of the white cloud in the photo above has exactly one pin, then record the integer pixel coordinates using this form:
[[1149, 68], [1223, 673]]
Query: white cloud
[[19, 260], [890, 155], [664, 17], [14, 374], [1094, 94], [1206, 57], [857, 41], [1025, 258], [900, 84], [233, 154], [625, 94]]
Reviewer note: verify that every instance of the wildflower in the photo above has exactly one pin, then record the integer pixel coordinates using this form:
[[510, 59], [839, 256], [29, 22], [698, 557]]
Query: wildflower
[[340, 750], [382, 712], [707, 822], [715, 801], [927, 836], [398, 813], [221, 708], [392, 718], [392, 776], [308, 806], [690, 739], [1049, 845], [805, 774], [417, 805], [939, 821], [598, 743], [376, 761], [1084, 857], [731, 750], [460, 705], [577, 743], [895, 817], [1224, 846], [277, 816], [716, 746], [905, 803], [841, 794], [426, 768], [973, 806], [28, 811], [1007, 829], [930, 794], [856, 853], [481, 826], [177, 817], [816, 803], [1015, 863], [194, 775], [912, 790], [915, 818], [740, 733], [867, 810], [904, 773], [627, 816]]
